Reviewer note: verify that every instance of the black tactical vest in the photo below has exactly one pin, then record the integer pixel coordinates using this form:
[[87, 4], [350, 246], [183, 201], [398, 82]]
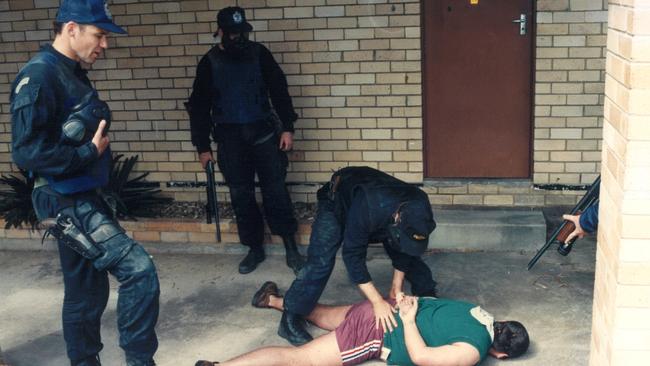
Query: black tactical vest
[[240, 94], [72, 92]]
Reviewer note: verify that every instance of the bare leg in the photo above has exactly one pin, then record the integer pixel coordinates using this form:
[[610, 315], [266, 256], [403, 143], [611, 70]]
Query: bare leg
[[322, 351], [326, 317]]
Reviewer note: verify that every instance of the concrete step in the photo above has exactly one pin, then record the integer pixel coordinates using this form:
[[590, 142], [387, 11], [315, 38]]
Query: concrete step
[[457, 230], [490, 229]]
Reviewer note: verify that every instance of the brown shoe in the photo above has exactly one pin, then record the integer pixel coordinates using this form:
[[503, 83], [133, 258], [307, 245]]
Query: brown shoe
[[205, 363], [262, 297]]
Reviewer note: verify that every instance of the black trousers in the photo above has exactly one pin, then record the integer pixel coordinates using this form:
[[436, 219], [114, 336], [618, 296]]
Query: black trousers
[[243, 152]]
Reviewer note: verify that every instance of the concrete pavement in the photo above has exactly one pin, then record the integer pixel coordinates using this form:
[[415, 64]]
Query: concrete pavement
[[206, 311]]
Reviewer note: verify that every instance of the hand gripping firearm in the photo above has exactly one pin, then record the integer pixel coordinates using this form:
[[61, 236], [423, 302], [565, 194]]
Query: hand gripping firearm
[[562, 232], [212, 207]]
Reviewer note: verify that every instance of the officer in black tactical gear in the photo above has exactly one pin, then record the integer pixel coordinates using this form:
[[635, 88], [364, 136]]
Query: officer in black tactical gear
[[230, 101], [59, 127], [361, 205]]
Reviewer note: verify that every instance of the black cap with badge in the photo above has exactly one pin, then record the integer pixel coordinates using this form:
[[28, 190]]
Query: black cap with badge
[[233, 20]]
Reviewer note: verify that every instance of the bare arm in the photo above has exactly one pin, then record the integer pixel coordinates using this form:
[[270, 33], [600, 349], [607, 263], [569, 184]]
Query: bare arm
[[456, 354], [398, 282]]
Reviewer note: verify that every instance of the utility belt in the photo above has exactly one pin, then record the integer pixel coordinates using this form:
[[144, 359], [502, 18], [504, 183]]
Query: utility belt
[[254, 133]]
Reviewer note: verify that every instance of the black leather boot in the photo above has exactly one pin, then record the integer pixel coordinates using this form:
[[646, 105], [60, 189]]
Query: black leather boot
[[254, 257], [88, 361], [134, 362], [292, 328], [294, 260]]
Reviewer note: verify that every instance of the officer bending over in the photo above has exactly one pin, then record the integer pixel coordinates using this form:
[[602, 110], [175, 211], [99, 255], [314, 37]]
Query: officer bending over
[[358, 206]]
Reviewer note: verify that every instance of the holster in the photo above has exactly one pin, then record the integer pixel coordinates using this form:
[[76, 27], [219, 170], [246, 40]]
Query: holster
[[69, 234]]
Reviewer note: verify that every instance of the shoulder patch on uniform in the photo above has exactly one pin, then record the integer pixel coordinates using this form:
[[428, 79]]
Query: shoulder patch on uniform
[[28, 97], [24, 81]]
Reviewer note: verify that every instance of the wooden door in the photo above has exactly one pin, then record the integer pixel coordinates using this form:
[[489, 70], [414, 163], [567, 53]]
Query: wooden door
[[477, 75]]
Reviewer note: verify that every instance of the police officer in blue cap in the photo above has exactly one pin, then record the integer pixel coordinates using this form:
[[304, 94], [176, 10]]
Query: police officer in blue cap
[[59, 130], [230, 101]]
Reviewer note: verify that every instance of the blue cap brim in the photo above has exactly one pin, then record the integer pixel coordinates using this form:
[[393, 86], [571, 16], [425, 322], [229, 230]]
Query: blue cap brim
[[110, 27]]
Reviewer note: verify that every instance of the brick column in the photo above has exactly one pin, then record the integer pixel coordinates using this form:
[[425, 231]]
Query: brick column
[[621, 310]]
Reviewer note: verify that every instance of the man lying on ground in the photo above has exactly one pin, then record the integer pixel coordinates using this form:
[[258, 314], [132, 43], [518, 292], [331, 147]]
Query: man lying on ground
[[430, 331]]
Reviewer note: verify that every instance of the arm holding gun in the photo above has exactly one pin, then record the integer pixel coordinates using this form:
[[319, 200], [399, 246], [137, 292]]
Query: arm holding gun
[[201, 130], [568, 232], [585, 223]]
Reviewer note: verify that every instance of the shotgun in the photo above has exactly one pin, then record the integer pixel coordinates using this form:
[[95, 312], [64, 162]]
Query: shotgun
[[212, 207], [560, 234]]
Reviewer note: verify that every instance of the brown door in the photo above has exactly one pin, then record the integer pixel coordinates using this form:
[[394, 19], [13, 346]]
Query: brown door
[[477, 88]]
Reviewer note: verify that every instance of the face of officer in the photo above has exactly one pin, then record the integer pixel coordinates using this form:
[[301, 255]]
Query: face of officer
[[89, 42], [82, 42], [235, 44]]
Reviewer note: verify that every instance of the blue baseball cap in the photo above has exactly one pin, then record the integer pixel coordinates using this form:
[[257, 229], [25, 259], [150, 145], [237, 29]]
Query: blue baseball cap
[[94, 12]]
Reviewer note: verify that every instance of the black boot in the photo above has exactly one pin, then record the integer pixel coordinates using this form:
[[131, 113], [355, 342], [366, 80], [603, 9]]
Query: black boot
[[88, 361], [135, 362], [254, 257], [292, 328], [294, 260]]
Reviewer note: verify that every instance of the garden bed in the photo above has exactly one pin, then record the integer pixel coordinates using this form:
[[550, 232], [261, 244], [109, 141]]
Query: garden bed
[[196, 210]]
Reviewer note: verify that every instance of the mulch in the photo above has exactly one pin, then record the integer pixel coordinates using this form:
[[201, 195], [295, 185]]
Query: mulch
[[196, 210]]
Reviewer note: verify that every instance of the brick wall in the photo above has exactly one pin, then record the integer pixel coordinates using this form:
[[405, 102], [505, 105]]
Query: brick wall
[[621, 310], [354, 70], [571, 39]]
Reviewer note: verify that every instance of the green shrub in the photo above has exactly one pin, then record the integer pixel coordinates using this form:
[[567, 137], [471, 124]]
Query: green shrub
[[16, 201], [130, 197]]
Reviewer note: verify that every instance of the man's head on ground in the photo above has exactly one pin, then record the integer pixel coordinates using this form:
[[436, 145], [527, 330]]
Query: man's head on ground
[[412, 224], [81, 29], [510, 339]]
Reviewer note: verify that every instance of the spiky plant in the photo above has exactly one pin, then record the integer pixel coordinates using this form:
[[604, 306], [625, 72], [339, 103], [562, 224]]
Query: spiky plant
[[133, 197], [16, 201]]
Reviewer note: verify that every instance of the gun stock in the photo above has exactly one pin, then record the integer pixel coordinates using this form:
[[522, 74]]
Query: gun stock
[[212, 207], [560, 234]]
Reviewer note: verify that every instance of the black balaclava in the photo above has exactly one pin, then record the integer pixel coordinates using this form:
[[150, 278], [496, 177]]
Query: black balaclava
[[237, 47]]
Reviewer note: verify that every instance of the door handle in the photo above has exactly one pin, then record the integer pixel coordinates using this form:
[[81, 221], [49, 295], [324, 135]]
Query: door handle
[[522, 24]]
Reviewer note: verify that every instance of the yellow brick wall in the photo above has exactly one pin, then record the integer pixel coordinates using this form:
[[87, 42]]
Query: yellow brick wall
[[354, 70], [621, 309], [571, 39]]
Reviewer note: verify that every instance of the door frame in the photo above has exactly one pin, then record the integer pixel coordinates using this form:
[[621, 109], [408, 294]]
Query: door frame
[[424, 24]]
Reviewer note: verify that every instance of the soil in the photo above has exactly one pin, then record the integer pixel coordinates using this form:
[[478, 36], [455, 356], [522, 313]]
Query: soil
[[196, 210]]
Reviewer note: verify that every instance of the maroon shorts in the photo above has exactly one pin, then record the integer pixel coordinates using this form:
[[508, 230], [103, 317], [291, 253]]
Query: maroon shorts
[[357, 337]]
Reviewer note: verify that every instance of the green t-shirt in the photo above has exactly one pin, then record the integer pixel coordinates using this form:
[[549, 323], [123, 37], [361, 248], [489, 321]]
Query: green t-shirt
[[440, 322]]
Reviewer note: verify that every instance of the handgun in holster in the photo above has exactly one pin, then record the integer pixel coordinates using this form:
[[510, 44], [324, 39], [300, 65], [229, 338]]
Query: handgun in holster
[[67, 232]]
